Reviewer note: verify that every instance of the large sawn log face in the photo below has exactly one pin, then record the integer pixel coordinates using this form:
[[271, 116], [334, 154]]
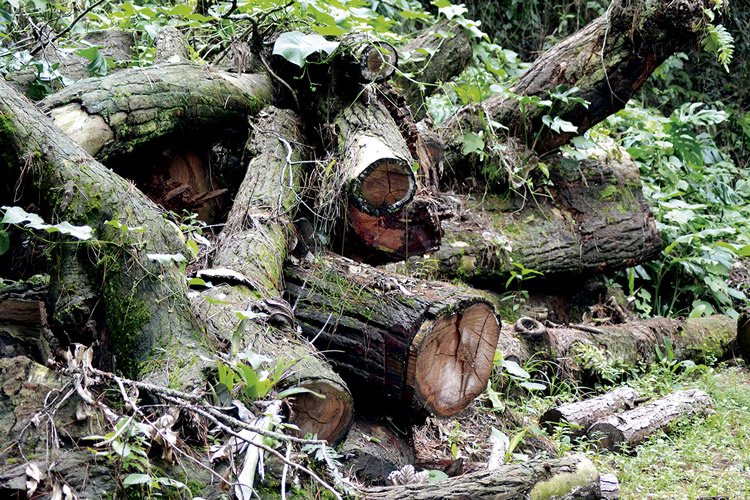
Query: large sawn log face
[[399, 343]]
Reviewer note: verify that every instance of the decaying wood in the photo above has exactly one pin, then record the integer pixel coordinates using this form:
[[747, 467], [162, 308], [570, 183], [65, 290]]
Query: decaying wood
[[367, 60], [401, 344], [251, 251], [434, 57], [632, 344], [631, 427], [567, 478], [594, 220], [112, 115], [608, 60], [582, 414], [373, 450], [143, 303], [376, 168], [24, 330]]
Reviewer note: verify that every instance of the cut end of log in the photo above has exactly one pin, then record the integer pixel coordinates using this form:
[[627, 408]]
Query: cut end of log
[[378, 62], [328, 418], [455, 358], [385, 186]]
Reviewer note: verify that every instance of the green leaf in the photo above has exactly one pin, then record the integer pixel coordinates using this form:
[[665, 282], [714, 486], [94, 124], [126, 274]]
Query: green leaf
[[299, 390], [472, 144], [135, 479], [533, 386], [4, 242], [515, 370], [296, 47], [98, 64], [78, 232], [437, 475]]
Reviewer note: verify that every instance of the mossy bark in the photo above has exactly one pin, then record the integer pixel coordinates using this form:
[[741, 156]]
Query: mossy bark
[[114, 114], [144, 307]]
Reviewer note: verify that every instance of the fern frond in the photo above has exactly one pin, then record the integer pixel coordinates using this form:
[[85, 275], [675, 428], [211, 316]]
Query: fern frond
[[719, 41]]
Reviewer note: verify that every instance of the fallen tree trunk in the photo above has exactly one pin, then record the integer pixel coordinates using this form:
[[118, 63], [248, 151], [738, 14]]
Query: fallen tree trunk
[[251, 251], [631, 427], [567, 478], [111, 115], [595, 220], [629, 345], [582, 414], [113, 279], [608, 61], [396, 341]]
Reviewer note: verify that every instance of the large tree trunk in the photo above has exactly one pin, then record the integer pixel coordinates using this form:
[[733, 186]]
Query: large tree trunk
[[397, 342], [567, 478], [608, 60], [143, 303], [595, 220], [112, 115], [631, 427]]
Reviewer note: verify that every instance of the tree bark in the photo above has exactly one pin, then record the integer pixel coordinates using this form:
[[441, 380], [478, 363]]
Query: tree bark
[[595, 220], [582, 414], [143, 303], [373, 450], [112, 115], [396, 341], [631, 427], [436, 56], [608, 60], [567, 478], [633, 344]]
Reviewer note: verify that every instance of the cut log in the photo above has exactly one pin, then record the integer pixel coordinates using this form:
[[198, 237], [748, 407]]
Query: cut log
[[115, 283], [377, 165], [633, 344], [436, 56], [367, 60], [609, 486], [373, 450], [582, 414], [252, 248], [631, 427], [595, 220], [412, 230], [567, 478], [608, 60], [396, 341], [112, 115]]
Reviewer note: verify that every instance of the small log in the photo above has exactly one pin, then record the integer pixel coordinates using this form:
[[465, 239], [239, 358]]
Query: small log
[[571, 477], [609, 486], [396, 341], [109, 116], [584, 413], [366, 60], [373, 450], [436, 56], [377, 165], [633, 426], [633, 344], [596, 220], [412, 230]]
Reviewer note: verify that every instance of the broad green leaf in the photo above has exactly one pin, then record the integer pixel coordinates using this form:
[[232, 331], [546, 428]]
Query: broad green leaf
[[166, 258], [533, 386], [98, 64], [299, 390], [296, 47], [78, 232], [472, 144], [437, 475], [515, 370], [134, 479]]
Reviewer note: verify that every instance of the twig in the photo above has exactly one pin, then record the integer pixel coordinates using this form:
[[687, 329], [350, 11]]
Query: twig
[[589, 329]]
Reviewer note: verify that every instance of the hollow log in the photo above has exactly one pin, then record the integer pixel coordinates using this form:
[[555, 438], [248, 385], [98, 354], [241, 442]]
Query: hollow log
[[608, 60], [373, 450], [571, 477], [139, 311], [435, 56], [367, 60], [632, 344], [112, 115], [396, 341], [595, 220], [584, 413], [251, 251], [376, 163], [631, 427]]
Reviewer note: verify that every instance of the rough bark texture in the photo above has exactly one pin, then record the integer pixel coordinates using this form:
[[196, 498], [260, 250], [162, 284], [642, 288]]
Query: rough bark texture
[[609, 486], [142, 302], [376, 169], [634, 344], [567, 478], [631, 427], [584, 413], [431, 59], [112, 115], [596, 220], [373, 450], [396, 341], [636, 36]]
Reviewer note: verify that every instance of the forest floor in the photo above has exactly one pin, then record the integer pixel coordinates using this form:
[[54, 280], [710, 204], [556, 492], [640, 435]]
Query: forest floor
[[697, 458]]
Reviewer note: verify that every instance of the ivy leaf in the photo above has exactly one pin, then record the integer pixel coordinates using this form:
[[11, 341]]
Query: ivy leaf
[[98, 64], [78, 232], [296, 47], [472, 144]]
